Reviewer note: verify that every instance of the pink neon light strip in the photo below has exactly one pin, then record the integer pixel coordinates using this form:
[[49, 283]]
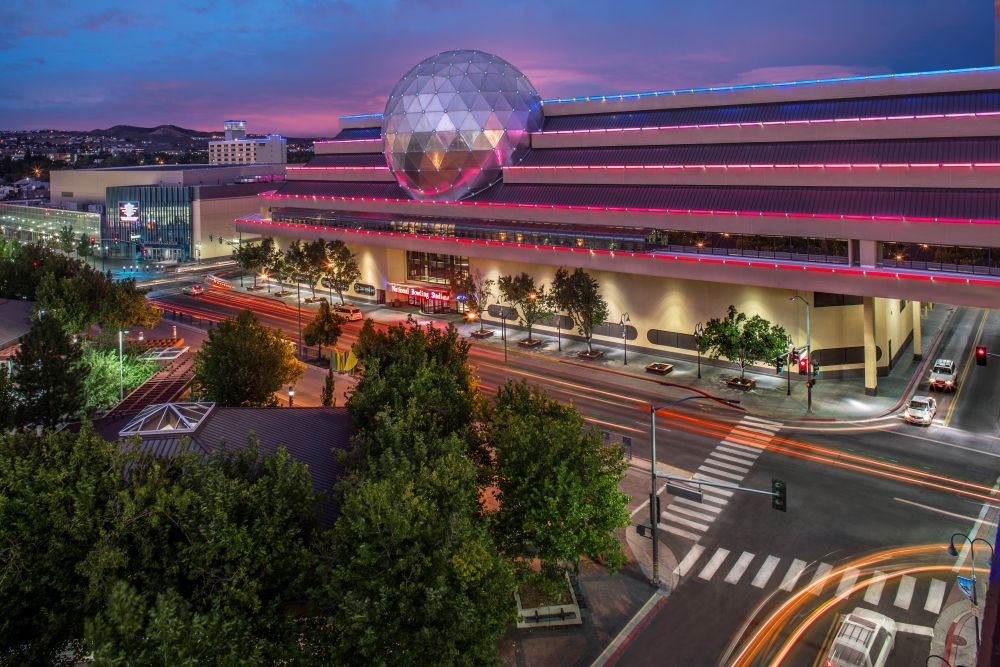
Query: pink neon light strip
[[308, 168], [623, 209], [702, 167], [646, 255], [825, 121], [349, 141]]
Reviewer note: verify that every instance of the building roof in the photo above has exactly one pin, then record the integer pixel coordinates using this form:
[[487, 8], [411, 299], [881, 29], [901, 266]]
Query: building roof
[[15, 320], [353, 134]]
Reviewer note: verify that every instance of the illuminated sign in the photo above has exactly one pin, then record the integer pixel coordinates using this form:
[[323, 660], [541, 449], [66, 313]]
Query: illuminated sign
[[424, 293], [128, 212]]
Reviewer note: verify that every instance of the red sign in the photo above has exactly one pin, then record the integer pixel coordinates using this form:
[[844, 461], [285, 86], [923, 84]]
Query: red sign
[[424, 293]]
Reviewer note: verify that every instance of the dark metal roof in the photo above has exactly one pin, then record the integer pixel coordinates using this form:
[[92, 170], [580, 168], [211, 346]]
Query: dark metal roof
[[349, 160], [920, 151], [812, 110], [353, 134], [910, 202]]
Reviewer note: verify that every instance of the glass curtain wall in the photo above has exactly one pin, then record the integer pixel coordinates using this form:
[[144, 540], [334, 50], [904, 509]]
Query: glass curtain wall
[[149, 222]]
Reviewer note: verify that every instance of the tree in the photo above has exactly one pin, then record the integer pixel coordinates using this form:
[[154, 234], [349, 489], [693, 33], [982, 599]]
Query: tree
[[125, 306], [7, 412], [341, 267], [478, 291], [66, 239], [326, 395], [56, 490], [579, 295], [557, 485], [243, 363], [49, 374], [84, 248], [296, 262], [315, 263], [533, 303], [325, 329], [743, 341], [103, 375]]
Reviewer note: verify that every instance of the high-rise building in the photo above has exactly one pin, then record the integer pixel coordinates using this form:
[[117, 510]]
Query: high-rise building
[[235, 129], [236, 148]]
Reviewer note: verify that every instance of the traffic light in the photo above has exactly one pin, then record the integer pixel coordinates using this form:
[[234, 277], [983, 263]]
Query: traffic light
[[815, 369], [795, 356], [778, 495], [93, 240], [803, 365], [779, 364], [981, 355]]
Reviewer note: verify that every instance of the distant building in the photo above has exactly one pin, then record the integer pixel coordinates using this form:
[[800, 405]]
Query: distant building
[[236, 148]]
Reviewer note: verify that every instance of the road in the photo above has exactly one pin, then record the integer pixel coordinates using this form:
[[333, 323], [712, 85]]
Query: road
[[853, 489]]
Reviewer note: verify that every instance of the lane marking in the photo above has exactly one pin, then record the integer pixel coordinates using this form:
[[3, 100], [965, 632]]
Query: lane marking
[[815, 587], [726, 457], [708, 470], [947, 444], [741, 565], [679, 532], [713, 564], [873, 592], [757, 430], [847, 580], [645, 503], [765, 572], [754, 450], [690, 512], [940, 511], [762, 421], [911, 629], [635, 624], [715, 500], [969, 356], [728, 466], [935, 596], [975, 530], [689, 560], [795, 571], [905, 593], [711, 491], [670, 518], [691, 503]]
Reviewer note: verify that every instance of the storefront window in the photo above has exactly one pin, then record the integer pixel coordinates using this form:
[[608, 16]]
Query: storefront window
[[430, 267]]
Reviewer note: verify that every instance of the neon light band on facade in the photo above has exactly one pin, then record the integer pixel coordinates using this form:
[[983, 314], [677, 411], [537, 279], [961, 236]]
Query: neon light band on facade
[[627, 209], [824, 121], [349, 141], [698, 259], [339, 168], [755, 86], [361, 115], [700, 167]]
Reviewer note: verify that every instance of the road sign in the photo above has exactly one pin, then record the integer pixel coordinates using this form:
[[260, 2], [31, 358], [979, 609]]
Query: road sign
[[965, 585], [684, 490]]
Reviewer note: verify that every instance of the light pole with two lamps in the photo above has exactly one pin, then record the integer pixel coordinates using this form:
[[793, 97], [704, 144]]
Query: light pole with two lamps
[[972, 553], [699, 331], [809, 390], [624, 321], [121, 364]]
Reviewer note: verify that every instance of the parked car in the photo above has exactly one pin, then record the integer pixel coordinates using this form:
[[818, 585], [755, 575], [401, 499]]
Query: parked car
[[943, 375], [194, 290], [865, 639], [921, 410], [348, 312]]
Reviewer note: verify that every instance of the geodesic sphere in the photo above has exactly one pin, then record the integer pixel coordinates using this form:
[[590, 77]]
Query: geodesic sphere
[[455, 120]]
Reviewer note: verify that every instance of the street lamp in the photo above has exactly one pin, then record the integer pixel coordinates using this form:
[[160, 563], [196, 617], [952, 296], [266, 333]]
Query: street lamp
[[121, 364], [653, 519], [699, 330], [809, 390], [291, 395], [263, 277], [624, 321], [972, 552], [788, 365]]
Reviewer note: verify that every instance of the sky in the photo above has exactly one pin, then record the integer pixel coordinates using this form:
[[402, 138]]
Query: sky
[[295, 66]]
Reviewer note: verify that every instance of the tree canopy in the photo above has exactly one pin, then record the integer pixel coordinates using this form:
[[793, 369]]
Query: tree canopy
[[325, 329], [578, 293], [532, 302], [743, 340], [243, 363], [48, 375], [341, 269]]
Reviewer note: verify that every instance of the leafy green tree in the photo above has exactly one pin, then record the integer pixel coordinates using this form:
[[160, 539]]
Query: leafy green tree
[[296, 262], [125, 305], [478, 291], [19, 279], [532, 302], [325, 329], [7, 398], [557, 485], [9, 248], [49, 375], [243, 363], [84, 248], [315, 262], [578, 294], [73, 300], [66, 239], [55, 491], [743, 340], [341, 268], [102, 376], [326, 395]]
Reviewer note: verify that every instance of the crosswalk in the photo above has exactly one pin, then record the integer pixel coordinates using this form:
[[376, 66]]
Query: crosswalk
[[729, 462], [788, 574]]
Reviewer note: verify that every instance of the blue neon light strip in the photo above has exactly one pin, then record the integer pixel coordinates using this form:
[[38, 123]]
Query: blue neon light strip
[[362, 115], [751, 86]]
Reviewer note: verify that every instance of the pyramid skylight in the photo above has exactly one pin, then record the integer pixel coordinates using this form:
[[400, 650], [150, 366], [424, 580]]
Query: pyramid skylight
[[168, 419]]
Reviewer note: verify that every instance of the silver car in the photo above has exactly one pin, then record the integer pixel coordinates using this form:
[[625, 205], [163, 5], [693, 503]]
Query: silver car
[[921, 410], [865, 639], [943, 375]]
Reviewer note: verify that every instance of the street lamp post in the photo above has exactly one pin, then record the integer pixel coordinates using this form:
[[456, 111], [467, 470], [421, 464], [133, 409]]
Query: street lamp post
[[809, 390], [788, 366], [699, 330], [263, 277], [503, 330], [624, 321], [291, 395], [972, 553], [121, 364], [298, 301]]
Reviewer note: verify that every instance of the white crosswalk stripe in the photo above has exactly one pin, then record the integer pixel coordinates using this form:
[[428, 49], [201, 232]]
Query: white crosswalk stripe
[[715, 500], [746, 448], [905, 593], [690, 503], [713, 564], [711, 491], [935, 596], [726, 465], [715, 471], [742, 563], [873, 592], [689, 560], [718, 454], [756, 430], [815, 585], [793, 574], [680, 532], [687, 523], [776, 425], [847, 580], [687, 511], [765, 571]]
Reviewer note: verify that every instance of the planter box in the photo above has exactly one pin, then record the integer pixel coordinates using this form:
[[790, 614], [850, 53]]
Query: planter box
[[659, 368], [531, 344], [745, 385], [590, 356], [254, 289], [284, 292], [312, 299], [551, 616], [485, 333]]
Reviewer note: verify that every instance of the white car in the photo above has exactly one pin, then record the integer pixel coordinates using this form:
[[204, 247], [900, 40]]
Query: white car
[[349, 313], [865, 639], [194, 290], [943, 375], [921, 410]]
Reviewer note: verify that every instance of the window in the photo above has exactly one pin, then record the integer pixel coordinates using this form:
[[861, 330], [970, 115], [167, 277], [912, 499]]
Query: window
[[827, 300], [876, 648]]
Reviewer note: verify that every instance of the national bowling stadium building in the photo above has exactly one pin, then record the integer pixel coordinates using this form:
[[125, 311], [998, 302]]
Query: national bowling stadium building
[[866, 195]]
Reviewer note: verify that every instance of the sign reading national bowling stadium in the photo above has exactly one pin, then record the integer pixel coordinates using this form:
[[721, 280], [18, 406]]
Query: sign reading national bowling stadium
[[128, 212], [410, 290]]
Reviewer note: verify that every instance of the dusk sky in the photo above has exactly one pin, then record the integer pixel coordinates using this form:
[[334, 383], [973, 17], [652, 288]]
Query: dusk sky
[[294, 67]]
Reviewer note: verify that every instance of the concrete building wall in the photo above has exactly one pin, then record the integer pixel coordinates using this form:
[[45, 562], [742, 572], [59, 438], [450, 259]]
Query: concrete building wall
[[215, 218]]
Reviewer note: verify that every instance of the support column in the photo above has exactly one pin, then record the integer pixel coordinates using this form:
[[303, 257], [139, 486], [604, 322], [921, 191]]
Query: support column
[[871, 362], [918, 344]]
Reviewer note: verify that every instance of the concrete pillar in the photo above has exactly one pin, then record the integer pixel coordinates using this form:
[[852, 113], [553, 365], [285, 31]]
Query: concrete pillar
[[871, 361], [918, 344]]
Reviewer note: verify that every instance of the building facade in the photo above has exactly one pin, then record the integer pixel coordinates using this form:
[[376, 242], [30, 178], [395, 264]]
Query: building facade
[[866, 196], [236, 148]]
